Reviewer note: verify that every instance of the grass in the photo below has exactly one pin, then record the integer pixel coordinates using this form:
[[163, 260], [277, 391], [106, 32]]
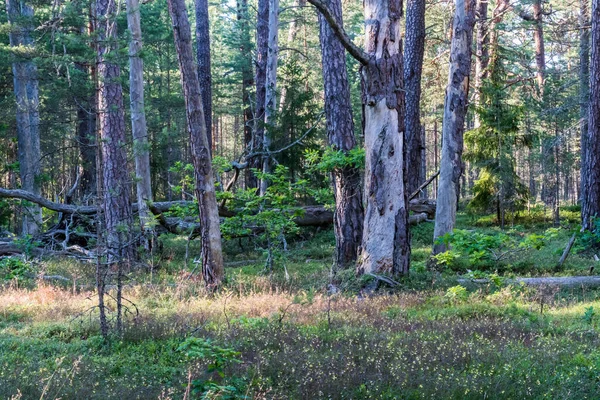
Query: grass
[[426, 339]]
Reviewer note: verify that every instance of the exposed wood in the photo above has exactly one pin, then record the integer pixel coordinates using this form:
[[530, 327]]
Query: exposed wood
[[567, 250], [453, 126], [561, 281], [423, 186]]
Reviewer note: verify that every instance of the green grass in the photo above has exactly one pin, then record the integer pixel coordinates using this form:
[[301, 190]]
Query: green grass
[[422, 340]]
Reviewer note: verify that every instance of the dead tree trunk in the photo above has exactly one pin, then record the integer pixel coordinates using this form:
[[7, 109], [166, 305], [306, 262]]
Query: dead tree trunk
[[591, 166], [203, 55], [455, 109], [349, 213], [481, 51], [413, 68], [212, 256], [262, 39], [25, 80], [270, 89], [141, 148]]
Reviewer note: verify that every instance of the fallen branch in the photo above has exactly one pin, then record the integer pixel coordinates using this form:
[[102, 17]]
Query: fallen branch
[[423, 186]]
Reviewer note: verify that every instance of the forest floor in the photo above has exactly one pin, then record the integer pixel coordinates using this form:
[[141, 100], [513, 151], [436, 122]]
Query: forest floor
[[286, 336]]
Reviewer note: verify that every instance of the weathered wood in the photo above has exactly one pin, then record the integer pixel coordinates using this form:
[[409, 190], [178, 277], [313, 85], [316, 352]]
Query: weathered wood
[[561, 281], [455, 110], [423, 186], [565, 253]]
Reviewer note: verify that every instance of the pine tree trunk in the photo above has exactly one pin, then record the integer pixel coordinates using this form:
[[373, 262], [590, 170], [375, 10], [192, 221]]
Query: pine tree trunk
[[203, 56], [247, 83], [584, 83], [538, 38], [116, 205], [141, 147], [386, 240], [349, 213], [25, 80], [455, 110], [413, 67], [212, 256], [270, 89], [591, 205]]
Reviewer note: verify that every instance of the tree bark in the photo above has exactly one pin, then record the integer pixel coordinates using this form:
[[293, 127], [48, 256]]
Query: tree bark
[[481, 52], [538, 38], [584, 83], [455, 109], [386, 240], [203, 55], [141, 147], [243, 19], [116, 205], [262, 40], [349, 213], [591, 205], [25, 80], [270, 89], [413, 68], [212, 256]]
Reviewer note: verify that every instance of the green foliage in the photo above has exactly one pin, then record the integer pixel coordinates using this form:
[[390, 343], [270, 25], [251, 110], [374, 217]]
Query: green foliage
[[330, 159], [212, 385], [13, 268], [491, 146], [457, 293], [589, 315], [490, 250]]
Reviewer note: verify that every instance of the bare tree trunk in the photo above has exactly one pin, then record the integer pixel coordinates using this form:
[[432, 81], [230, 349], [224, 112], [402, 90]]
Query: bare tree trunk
[[413, 67], [292, 32], [481, 51], [349, 213], [584, 83], [262, 40], [270, 88], [247, 82], [25, 80], [141, 147], [212, 256], [423, 160], [538, 38], [203, 55], [591, 166], [386, 240], [455, 109]]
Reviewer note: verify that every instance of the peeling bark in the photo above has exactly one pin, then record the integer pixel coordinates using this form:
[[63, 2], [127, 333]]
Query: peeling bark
[[453, 126], [386, 241]]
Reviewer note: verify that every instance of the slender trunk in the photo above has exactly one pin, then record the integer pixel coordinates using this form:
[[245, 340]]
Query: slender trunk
[[591, 205], [584, 83], [349, 213], [247, 82], [262, 39], [413, 67], [538, 38], [455, 109], [141, 148], [481, 52], [25, 80], [423, 160], [203, 55], [270, 88], [435, 156], [292, 32], [386, 239], [212, 256]]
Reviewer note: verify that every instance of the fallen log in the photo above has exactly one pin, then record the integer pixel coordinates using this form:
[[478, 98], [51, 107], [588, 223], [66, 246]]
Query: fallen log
[[561, 281]]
